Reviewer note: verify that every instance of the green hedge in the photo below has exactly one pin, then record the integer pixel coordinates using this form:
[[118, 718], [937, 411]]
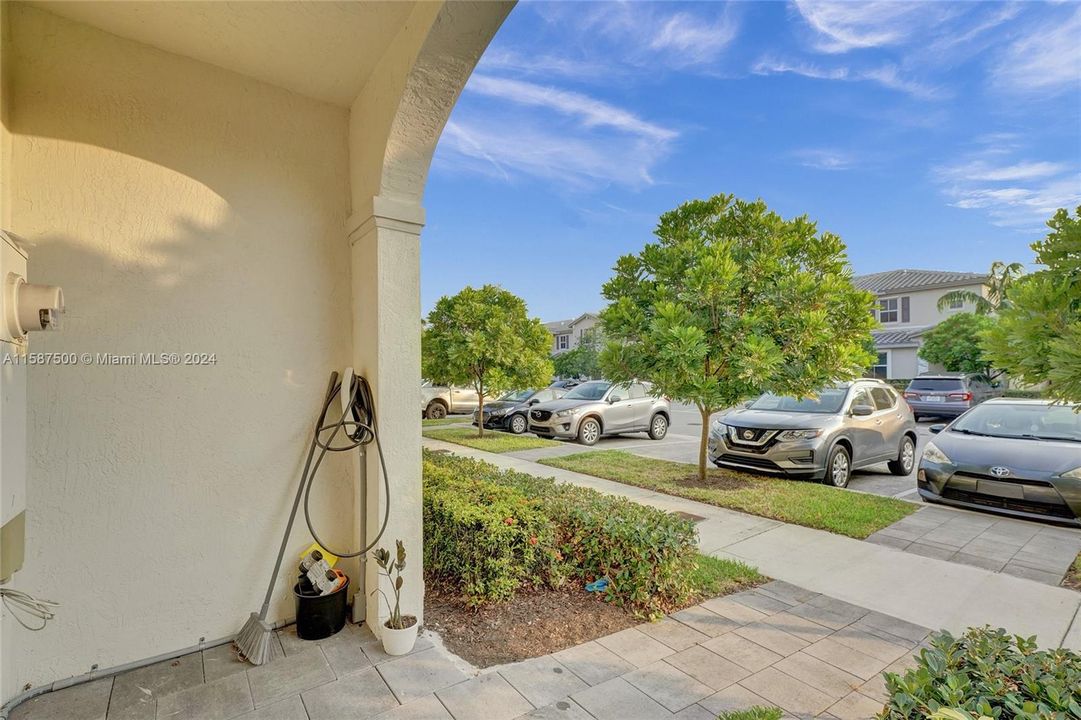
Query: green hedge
[[987, 673], [489, 531]]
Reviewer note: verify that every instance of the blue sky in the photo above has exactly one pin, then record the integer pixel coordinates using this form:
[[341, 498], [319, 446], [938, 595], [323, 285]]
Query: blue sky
[[938, 135]]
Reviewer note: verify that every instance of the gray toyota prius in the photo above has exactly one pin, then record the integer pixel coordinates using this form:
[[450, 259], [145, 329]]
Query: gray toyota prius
[[1018, 457]]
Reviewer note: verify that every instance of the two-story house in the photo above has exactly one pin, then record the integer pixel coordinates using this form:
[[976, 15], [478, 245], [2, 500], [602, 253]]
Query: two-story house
[[566, 334], [907, 307]]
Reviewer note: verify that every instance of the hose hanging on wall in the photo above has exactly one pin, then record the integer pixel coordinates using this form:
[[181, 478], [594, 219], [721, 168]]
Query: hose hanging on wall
[[359, 425], [358, 421]]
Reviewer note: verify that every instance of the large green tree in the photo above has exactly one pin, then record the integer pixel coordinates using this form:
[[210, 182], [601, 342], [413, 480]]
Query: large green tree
[[483, 337], [955, 343], [583, 361], [1038, 334], [999, 280], [733, 300]]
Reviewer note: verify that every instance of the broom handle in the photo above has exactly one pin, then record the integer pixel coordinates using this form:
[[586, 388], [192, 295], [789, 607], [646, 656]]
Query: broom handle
[[296, 502]]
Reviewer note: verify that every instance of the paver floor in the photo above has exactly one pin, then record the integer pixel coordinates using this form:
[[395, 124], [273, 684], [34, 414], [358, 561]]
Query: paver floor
[[1026, 549], [779, 645]]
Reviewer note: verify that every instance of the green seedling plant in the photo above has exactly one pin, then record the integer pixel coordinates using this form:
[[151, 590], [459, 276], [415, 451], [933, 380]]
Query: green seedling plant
[[392, 570]]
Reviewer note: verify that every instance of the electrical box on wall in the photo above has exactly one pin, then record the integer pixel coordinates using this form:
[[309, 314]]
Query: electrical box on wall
[[23, 308], [12, 422]]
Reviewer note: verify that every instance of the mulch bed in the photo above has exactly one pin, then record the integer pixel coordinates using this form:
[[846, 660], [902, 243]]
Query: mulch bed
[[533, 623], [1072, 579]]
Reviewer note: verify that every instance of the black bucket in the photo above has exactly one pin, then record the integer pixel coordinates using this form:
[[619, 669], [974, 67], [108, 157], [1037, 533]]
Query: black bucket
[[320, 616]]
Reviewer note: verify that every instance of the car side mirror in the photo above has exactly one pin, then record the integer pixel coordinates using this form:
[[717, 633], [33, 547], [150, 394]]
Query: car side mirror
[[862, 410], [534, 402], [937, 428]]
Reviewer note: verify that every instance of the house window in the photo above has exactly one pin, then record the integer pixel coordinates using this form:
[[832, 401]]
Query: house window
[[957, 303], [881, 368], [562, 342], [887, 310]]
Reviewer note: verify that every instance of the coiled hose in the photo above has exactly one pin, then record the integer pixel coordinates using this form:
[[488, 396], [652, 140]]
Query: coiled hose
[[359, 425]]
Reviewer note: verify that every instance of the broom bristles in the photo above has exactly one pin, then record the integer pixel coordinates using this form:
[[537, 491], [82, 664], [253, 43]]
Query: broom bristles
[[253, 641]]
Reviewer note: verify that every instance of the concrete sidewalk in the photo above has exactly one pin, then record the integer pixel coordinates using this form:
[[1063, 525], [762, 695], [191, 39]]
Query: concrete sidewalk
[[927, 591]]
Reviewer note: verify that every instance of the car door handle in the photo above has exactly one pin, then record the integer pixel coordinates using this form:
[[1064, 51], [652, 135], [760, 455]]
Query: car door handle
[[878, 422]]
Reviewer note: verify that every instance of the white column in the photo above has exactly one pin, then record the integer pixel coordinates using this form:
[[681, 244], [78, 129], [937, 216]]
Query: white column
[[385, 257]]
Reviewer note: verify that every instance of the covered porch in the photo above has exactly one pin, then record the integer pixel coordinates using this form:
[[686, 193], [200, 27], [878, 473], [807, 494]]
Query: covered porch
[[241, 182]]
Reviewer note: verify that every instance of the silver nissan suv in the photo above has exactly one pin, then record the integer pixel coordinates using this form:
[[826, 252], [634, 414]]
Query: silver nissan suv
[[846, 427], [597, 408]]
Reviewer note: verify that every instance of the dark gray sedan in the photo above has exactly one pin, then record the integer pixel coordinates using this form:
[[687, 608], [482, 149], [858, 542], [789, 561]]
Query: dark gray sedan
[[510, 411], [1018, 457]]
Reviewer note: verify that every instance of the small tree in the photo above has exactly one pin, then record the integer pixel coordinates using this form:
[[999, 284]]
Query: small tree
[[955, 344], [483, 338], [1038, 335], [733, 300], [999, 279], [582, 361]]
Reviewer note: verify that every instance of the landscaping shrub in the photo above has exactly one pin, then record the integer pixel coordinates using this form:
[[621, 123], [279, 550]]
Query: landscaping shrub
[[647, 555], [484, 539], [987, 673]]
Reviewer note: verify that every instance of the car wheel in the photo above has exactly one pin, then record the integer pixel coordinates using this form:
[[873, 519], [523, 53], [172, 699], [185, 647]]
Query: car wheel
[[658, 427], [838, 467], [589, 432], [518, 424], [906, 458], [436, 411]]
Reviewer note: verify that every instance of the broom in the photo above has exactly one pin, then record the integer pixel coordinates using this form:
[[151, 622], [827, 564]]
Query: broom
[[253, 640]]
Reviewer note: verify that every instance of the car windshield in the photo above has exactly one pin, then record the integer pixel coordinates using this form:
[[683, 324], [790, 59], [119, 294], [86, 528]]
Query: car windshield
[[518, 395], [932, 384], [588, 391], [1016, 420], [828, 401]]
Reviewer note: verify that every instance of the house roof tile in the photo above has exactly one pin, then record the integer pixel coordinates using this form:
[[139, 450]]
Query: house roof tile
[[892, 281]]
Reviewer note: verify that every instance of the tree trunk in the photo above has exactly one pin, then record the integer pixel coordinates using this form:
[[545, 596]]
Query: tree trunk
[[480, 415], [703, 444]]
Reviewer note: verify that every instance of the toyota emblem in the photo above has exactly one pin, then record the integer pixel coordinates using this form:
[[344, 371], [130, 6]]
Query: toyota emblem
[[747, 434], [999, 471]]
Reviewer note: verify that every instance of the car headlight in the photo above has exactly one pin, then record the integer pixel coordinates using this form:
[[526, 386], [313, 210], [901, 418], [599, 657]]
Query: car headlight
[[932, 453], [568, 413], [799, 434], [718, 429], [1075, 473]]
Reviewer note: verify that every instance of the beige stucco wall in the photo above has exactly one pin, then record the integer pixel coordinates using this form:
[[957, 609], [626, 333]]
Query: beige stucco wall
[[182, 208], [923, 305]]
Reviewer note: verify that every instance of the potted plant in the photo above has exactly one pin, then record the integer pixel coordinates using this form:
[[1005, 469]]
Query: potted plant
[[399, 631]]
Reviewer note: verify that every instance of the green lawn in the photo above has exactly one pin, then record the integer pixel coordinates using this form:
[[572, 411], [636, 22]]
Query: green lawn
[[1073, 575], [493, 440], [719, 576], [449, 420], [799, 502]]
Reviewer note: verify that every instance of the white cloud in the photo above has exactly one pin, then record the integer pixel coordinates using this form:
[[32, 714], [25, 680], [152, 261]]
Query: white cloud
[[584, 161], [888, 76], [687, 40], [1013, 193], [591, 112], [1045, 60], [546, 65], [825, 159], [842, 25], [640, 34], [524, 128]]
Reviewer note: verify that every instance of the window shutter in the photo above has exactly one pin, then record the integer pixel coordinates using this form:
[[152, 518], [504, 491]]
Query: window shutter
[[904, 309]]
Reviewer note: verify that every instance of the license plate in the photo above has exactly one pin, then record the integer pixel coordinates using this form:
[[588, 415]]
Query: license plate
[[935, 398]]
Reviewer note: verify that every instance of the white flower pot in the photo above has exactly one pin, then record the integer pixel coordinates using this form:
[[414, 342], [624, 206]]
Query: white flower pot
[[399, 642]]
